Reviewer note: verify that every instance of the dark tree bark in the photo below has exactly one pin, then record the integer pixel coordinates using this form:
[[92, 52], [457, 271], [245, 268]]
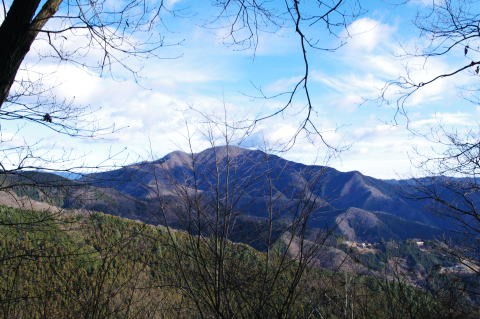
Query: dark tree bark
[[17, 33]]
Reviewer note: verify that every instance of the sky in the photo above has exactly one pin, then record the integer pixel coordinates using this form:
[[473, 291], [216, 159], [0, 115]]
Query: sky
[[171, 105]]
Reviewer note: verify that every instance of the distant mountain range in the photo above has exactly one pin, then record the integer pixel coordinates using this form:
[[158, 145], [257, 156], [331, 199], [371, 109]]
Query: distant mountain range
[[255, 185]]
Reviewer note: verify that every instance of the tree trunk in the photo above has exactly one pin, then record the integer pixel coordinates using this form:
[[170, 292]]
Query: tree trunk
[[17, 33]]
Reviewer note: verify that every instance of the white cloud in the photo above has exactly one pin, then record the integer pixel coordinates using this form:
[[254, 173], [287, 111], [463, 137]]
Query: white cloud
[[349, 90], [282, 85], [348, 103], [385, 65], [273, 41], [382, 151], [372, 132], [366, 34], [457, 119], [171, 3], [426, 2]]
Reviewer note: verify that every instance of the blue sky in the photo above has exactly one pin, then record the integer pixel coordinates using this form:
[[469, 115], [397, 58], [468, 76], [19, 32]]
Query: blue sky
[[212, 77]]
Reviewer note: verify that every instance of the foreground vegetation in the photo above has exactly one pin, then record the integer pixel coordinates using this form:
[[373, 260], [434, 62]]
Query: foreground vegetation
[[91, 265]]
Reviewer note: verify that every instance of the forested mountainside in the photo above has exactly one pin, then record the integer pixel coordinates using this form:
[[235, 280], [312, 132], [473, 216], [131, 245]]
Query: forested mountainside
[[81, 264]]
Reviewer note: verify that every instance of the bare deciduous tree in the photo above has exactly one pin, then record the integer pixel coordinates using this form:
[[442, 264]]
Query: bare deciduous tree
[[447, 29], [224, 279], [101, 35], [452, 187]]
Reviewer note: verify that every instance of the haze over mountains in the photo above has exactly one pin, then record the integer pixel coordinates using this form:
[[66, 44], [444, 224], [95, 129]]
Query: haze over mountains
[[254, 183]]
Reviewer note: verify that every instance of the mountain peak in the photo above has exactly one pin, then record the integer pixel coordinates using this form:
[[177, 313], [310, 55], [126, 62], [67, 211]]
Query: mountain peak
[[175, 159], [223, 150]]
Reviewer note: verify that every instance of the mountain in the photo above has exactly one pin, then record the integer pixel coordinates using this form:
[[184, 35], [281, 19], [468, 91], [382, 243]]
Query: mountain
[[254, 183], [251, 186], [358, 224], [230, 193]]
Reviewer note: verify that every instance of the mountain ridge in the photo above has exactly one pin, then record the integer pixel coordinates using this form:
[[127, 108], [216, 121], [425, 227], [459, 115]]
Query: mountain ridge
[[253, 177], [252, 184]]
